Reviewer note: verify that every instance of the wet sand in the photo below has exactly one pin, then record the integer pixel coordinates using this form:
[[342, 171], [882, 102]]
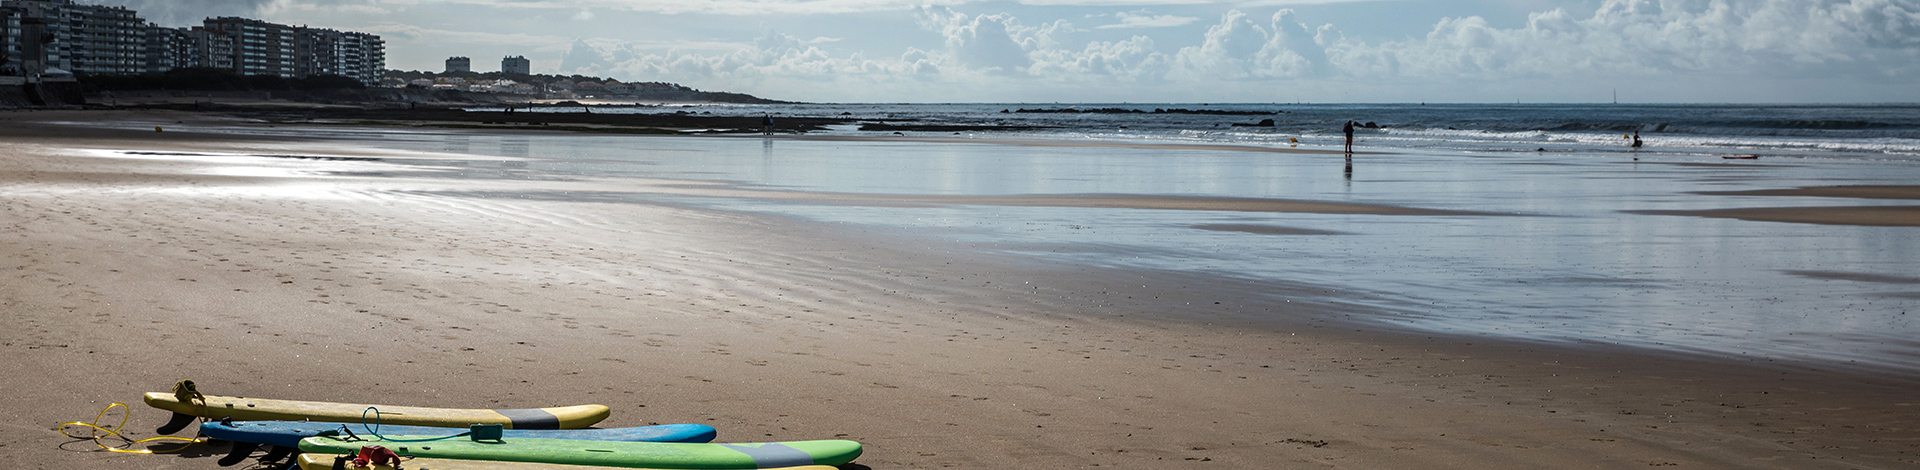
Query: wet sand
[[1880, 216], [278, 277], [1111, 201], [1854, 191], [1875, 216], [1068, 143]]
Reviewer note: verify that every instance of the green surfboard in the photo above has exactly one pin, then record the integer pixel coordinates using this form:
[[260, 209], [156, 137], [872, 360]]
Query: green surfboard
[[661, 455]]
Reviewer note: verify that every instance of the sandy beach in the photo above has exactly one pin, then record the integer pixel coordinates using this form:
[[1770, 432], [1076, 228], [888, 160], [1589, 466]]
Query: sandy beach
[[132, 262]]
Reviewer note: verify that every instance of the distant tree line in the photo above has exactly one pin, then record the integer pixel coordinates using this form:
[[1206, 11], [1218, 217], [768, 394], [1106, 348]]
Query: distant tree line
[[210, 79]]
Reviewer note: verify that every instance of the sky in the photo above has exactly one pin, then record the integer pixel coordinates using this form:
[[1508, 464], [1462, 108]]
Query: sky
[[1158, 51]]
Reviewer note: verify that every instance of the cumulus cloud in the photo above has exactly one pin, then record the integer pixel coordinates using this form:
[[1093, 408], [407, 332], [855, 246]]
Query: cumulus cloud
[[997, 43], [1239, 48], [773, 55], [714, 7], [984, 42], [392, 31], [192, 12], [1142, 19], [1133, 60], [1638, 37], [1248, 53], [779, 7], [179, 13], [977, 50]]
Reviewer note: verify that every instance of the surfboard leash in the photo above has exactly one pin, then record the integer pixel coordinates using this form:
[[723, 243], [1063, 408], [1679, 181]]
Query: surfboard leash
[[99, 432], [374, 430]]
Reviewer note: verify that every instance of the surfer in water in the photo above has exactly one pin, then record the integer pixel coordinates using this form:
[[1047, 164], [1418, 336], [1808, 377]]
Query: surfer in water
[[1636, 140]]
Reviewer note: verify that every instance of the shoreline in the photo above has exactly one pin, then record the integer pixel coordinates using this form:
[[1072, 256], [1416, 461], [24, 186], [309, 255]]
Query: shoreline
[[777, 329], [1067, 143]]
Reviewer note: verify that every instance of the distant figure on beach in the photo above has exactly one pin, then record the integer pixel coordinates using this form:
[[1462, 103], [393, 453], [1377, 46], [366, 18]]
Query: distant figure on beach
[[1636, 140], [766, 124], [1349, 130]]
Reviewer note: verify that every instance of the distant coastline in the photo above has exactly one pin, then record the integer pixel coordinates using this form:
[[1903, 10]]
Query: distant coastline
[[211, 85]]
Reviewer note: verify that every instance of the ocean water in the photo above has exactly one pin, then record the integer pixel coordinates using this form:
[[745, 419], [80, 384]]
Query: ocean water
[[1872, 131], [1567, 260]]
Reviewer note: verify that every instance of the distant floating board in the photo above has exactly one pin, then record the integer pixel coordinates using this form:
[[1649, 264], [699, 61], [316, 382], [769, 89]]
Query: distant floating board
[[658, 455], [187, 403], [325, 462]]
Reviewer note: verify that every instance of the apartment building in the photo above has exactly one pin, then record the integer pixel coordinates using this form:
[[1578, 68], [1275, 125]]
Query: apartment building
[[87, 38], [114, 40], [10, 55], [516, 64], [259, 47]]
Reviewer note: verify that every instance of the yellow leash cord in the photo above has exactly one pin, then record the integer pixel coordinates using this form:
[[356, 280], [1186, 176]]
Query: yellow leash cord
[[99, 433]]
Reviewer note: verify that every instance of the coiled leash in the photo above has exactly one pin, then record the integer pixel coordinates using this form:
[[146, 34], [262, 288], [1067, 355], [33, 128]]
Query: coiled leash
[[98, 432]]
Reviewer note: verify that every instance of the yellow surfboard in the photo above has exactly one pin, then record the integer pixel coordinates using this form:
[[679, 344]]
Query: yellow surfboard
[[187, 403], [325, 462]]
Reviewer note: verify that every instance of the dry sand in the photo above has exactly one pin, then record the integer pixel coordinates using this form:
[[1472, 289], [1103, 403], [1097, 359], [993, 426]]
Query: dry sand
[[124, 275]]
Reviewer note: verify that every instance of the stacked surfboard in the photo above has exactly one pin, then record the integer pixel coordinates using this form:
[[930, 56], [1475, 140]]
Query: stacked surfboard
[[324, 435]]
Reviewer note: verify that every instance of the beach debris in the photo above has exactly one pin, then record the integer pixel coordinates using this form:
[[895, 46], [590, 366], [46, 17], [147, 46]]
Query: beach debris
[[1311, 442]]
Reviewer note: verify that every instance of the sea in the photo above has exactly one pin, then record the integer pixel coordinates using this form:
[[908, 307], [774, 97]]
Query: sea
[[1870, 131], [1570, 246]]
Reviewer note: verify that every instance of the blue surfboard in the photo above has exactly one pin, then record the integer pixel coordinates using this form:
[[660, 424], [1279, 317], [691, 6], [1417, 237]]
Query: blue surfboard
[[286, 435]]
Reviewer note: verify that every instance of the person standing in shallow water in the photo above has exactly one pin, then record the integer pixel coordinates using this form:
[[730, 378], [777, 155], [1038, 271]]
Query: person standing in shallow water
[[1348, 129], [1636, 140], [766, 124]]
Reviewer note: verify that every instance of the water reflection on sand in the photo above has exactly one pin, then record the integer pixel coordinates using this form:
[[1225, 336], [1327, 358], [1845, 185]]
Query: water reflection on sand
[[1532, 246]]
